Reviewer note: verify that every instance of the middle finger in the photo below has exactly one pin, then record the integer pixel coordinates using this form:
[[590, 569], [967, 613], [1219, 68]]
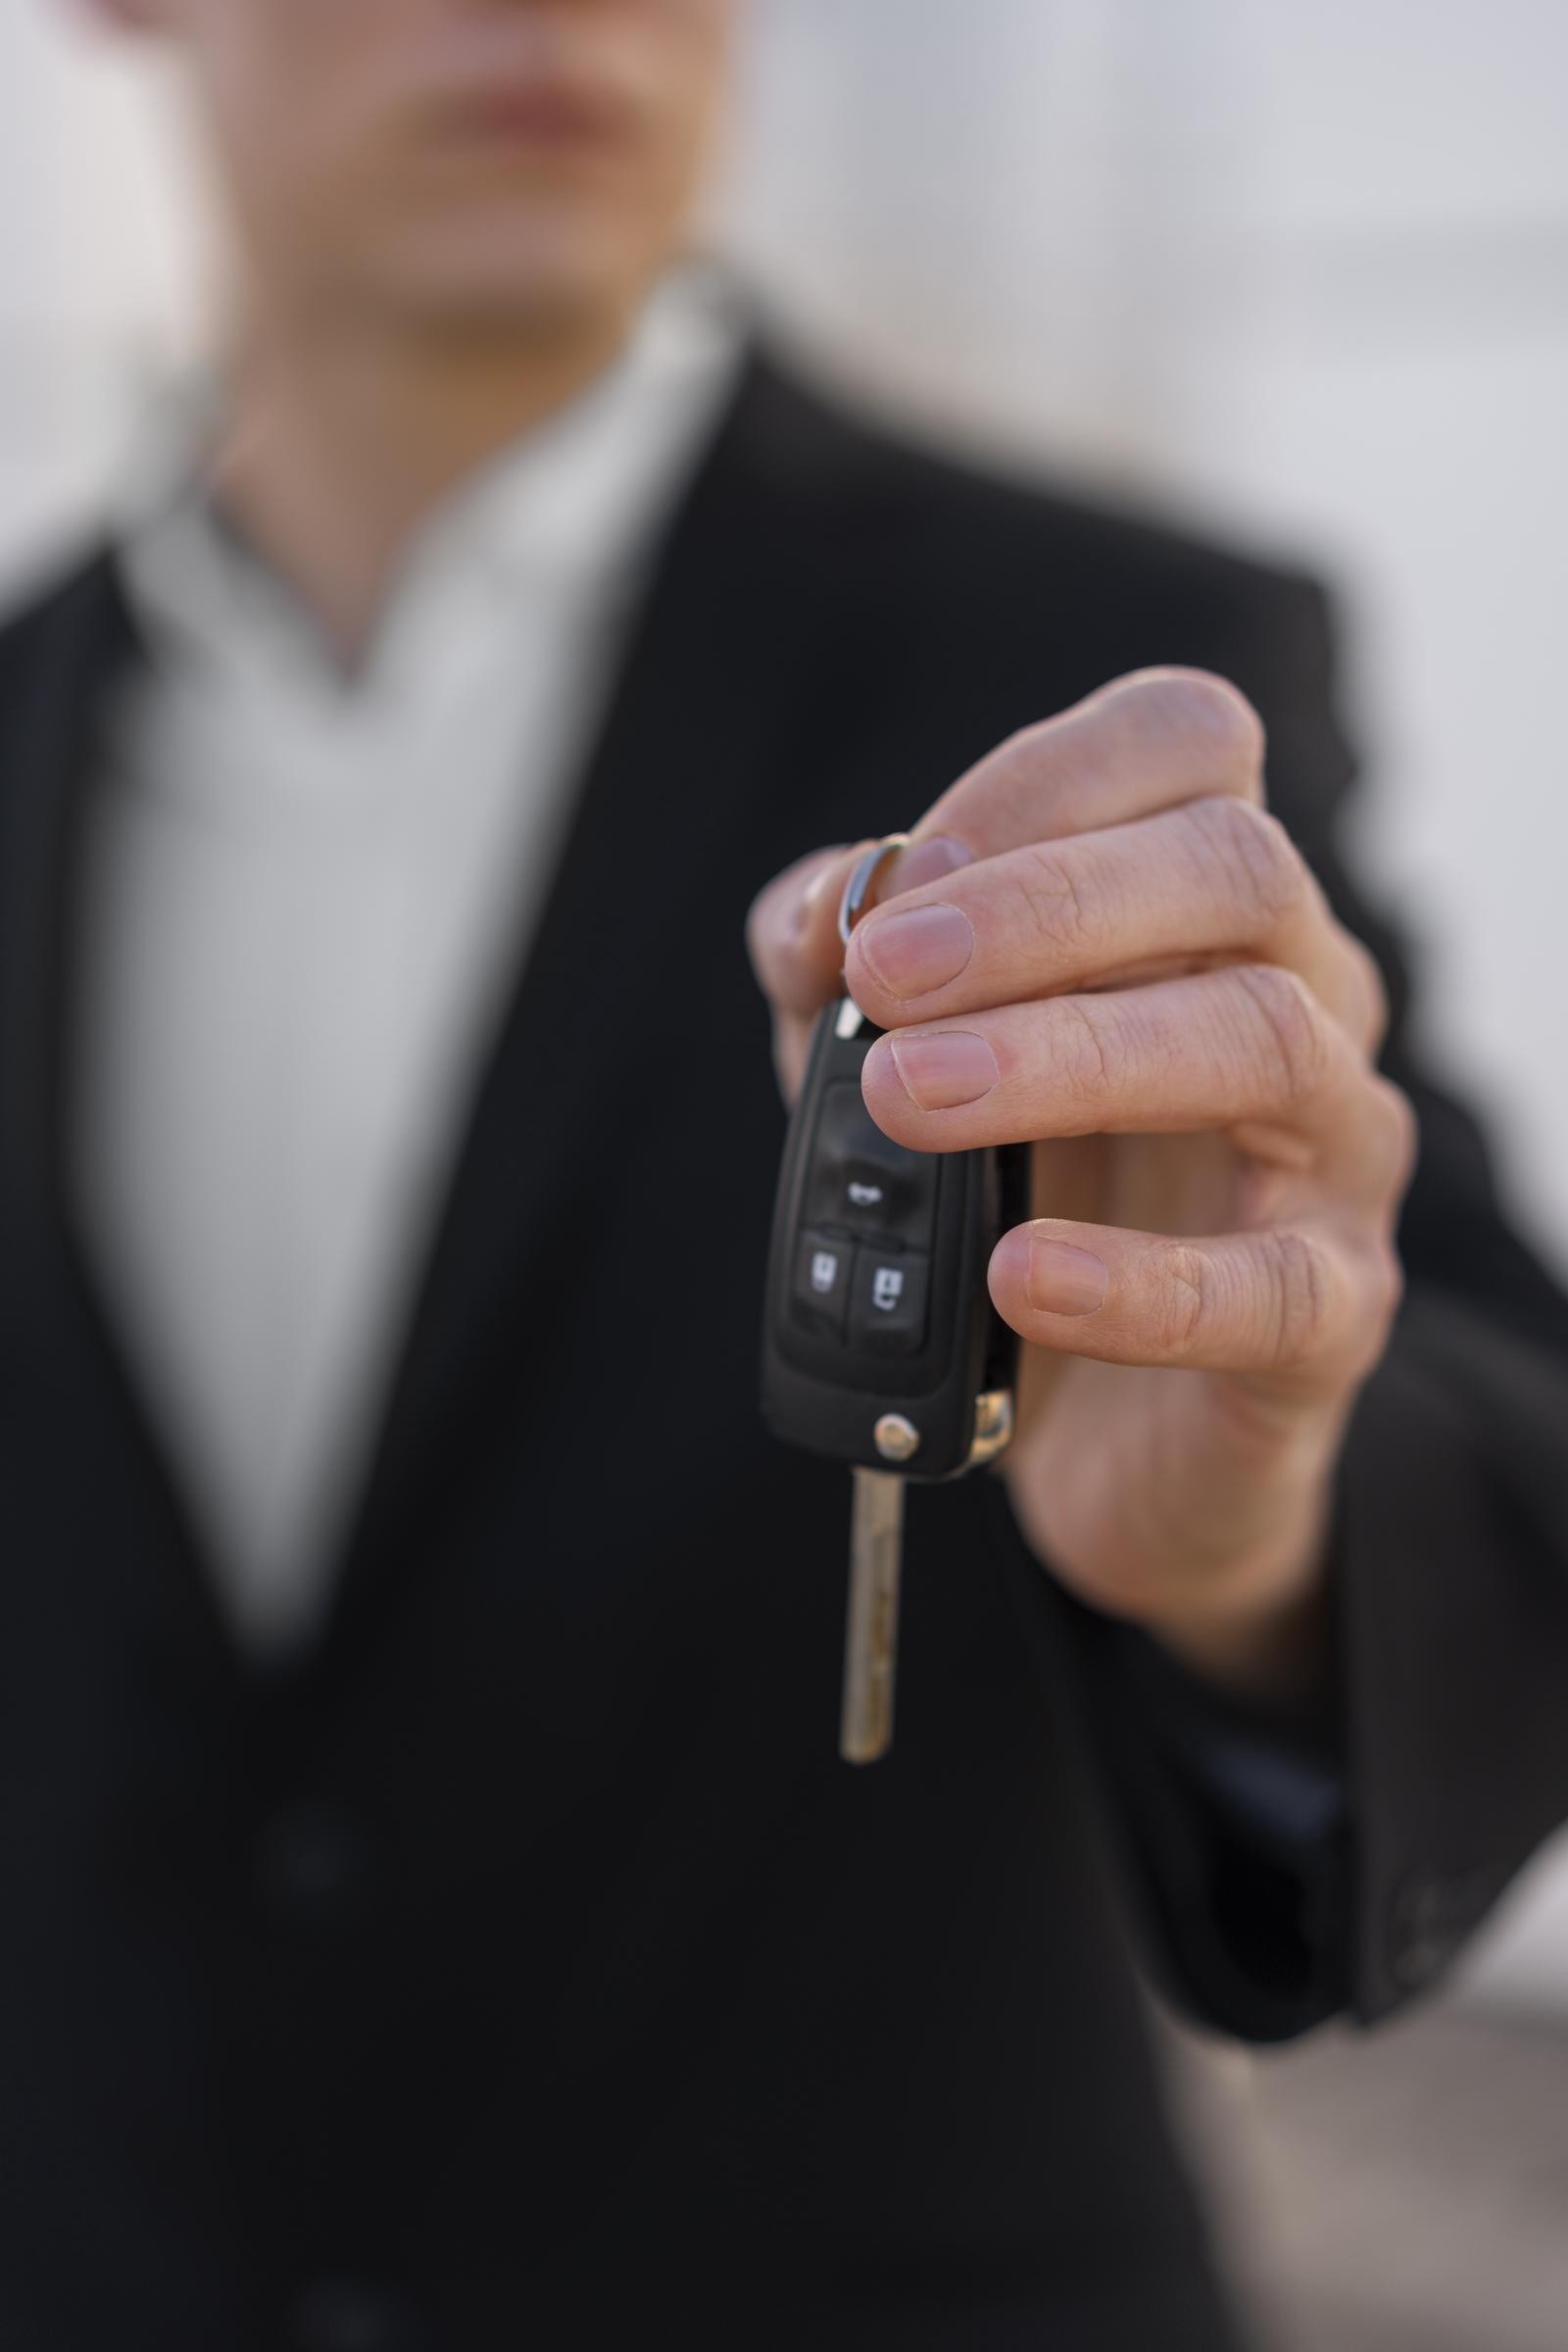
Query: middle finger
[[1213, 876], [1245, 1048]]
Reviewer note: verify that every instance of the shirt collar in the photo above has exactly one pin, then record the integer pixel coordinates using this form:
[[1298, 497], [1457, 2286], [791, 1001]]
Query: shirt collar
[[571, 499], [567, 508]]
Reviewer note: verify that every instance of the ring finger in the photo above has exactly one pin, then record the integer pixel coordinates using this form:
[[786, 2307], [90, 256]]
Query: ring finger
[[1246, 1048]]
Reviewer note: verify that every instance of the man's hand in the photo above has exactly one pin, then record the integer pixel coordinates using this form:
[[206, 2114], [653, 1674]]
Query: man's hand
[[1100, 943]]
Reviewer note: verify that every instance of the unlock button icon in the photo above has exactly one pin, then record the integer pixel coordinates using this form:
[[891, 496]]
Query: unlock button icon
[[888, 1301], [887, 1288]]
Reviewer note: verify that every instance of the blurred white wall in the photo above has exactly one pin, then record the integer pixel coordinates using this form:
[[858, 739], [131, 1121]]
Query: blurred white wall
[[103, 258], [1303, 270]]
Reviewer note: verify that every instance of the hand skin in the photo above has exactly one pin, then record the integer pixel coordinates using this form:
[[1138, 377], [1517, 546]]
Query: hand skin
[[1156, 996]]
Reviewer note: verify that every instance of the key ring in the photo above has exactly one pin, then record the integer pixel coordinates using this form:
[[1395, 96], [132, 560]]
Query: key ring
[[852, 904]]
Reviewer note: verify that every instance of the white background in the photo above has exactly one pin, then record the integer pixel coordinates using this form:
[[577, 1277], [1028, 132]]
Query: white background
[[1300, 269]]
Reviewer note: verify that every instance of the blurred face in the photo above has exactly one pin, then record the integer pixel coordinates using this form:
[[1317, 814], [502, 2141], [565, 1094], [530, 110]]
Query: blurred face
[[479, 163]]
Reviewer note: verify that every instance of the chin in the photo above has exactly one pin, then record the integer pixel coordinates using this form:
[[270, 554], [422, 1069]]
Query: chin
[[504, 273]]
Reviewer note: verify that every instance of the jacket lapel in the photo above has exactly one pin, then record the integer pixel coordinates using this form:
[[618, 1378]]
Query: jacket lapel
[[63, 660]]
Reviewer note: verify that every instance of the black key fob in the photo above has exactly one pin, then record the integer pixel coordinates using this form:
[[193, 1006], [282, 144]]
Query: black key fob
[[881, 1346]]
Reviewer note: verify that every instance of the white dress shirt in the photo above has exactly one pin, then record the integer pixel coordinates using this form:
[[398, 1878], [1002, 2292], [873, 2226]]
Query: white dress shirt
[[305, 898]]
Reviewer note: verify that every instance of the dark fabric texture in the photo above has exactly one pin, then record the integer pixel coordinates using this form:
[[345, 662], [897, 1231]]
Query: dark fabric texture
[[524, 1967]]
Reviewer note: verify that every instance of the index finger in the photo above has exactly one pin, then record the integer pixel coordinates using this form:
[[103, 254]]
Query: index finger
[[1145, 742]]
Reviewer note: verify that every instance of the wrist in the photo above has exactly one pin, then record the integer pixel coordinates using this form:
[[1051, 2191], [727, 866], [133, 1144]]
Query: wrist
[[1263, 1631]]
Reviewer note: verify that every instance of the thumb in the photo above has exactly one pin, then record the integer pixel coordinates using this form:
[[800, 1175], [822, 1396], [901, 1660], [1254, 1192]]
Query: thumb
[[791, 927]]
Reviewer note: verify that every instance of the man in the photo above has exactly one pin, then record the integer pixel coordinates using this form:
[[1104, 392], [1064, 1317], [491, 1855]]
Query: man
[[436, 1912]]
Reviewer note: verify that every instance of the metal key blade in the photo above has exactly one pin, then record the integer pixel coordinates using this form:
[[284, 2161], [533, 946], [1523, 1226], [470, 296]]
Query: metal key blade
[[870, 1649]]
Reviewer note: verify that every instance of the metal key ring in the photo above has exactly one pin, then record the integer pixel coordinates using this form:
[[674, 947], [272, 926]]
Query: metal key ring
[[852, 904]]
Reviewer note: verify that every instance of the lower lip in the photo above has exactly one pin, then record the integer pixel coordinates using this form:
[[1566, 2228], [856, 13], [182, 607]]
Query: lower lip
[[538, 119]]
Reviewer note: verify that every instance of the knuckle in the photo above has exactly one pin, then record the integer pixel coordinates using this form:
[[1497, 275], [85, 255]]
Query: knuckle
[[1376, 1008], [1058, 904], [783, 899], [1260, 863], [1389, 1274], [1080, 1046], [1210, 713], [758, 917], [1295, 1034], [783, 932], [1300, 1290], [1185, 1308], [1021, 783], [761, 951], [1403, 1127], [756, 911], [1380, 1288]]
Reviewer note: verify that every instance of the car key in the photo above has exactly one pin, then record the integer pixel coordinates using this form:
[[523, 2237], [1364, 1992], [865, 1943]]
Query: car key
[[881, 1346]]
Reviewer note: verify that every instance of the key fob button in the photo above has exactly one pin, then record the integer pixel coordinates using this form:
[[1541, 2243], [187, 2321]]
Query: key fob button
[[863, 1179], [824, 1272], [888, 1299]]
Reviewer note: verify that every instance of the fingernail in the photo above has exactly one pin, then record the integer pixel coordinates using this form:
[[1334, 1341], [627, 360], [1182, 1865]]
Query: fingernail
[[927, 861], [1064, 1280], [949, 1067], [920, 950]]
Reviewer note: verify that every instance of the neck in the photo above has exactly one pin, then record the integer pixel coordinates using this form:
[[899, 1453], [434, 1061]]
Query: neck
[[338, 440]]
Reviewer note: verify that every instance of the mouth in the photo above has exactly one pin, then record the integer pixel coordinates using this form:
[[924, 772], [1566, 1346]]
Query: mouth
[[553, 115]]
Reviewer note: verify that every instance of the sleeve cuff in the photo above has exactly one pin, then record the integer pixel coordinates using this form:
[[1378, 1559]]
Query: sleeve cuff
[[1232, 1823]]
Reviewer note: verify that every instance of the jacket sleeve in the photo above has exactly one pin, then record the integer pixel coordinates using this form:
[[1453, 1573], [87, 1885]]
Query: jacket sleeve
[[1440, 1756]]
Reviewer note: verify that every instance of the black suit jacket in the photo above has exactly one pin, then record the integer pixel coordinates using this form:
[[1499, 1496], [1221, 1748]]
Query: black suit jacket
[[525, 1967]]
